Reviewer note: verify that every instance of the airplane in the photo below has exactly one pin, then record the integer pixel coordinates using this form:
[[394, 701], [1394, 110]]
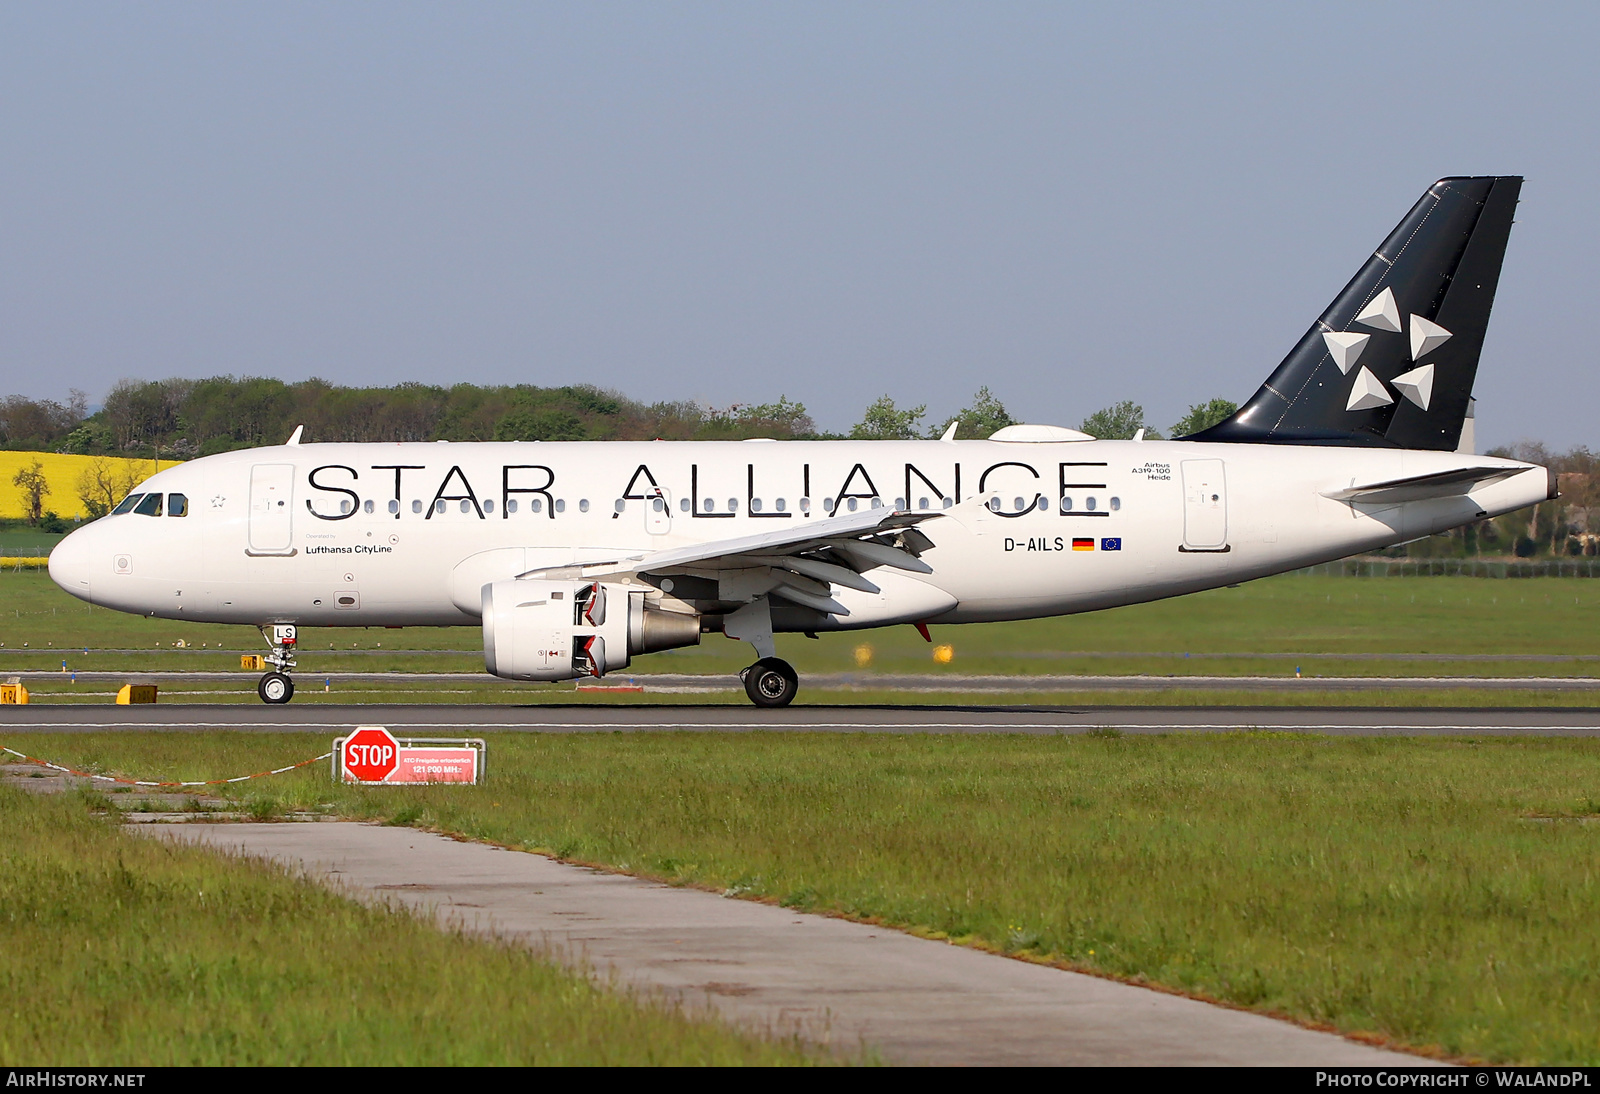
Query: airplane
[[575, 558]]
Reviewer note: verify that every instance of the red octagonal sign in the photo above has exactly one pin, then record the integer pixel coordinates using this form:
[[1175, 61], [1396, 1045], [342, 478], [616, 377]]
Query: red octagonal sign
[[370, 754]]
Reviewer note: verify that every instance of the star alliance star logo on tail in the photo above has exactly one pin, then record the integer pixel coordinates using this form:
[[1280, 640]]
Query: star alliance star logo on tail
[[1367, 392]]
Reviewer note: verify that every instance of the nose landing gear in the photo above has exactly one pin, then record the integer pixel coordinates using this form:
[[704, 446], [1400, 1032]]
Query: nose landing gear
[[276, 686]]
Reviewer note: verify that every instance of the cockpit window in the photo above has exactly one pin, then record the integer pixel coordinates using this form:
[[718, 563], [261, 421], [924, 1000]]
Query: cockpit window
[[177, 505], [126, 504], [150, 506]]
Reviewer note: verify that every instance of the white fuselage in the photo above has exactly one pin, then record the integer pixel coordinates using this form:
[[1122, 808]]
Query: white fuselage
[[408, 534]]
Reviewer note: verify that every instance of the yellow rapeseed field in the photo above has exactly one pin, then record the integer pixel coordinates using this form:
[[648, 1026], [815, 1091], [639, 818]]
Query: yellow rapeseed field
[[62, 472]]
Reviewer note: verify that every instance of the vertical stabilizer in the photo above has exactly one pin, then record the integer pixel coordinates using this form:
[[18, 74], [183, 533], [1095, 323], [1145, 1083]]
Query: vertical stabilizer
[[1393, 359]]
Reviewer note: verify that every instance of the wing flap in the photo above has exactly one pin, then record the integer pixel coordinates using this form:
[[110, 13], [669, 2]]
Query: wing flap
[[800, 563]]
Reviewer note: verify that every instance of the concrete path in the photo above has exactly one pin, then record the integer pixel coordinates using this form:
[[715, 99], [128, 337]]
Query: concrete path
[[836, 982]]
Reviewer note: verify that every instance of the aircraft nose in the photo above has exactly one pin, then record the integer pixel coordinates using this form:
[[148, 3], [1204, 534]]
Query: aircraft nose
[[71, 561]]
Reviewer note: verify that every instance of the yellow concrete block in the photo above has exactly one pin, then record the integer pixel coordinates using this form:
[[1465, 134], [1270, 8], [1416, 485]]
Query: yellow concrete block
[[13, 693], [136, 693]]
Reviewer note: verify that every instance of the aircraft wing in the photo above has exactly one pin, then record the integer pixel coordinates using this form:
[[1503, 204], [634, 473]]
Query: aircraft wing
[[1440, 484], [799, 563]]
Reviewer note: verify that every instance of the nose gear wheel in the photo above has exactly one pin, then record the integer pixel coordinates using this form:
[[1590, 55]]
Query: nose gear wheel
[[275, 687]]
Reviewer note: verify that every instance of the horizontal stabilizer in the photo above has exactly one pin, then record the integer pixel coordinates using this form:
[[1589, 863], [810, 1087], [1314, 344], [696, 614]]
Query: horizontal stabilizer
[[1440, 484]]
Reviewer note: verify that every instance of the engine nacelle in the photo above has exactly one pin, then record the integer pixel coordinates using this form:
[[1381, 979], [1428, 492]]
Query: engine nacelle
[[567, 629]]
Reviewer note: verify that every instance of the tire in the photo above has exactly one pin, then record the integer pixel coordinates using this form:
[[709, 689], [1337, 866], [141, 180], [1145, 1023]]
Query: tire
[[275, 687], [771, 682]]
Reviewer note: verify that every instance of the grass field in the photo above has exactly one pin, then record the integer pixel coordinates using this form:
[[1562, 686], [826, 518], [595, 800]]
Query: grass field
[[124, 951], [1441, 893], [1325, 626]]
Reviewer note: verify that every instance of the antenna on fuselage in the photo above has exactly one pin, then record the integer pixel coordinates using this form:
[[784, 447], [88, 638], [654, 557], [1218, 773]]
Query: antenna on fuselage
[[294, 438]]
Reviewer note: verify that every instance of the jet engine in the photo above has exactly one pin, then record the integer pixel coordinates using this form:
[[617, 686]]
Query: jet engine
[[566, 630]]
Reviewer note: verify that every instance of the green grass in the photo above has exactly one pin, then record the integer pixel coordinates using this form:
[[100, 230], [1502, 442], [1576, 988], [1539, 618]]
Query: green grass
[[19, 539], [1400, 886], [126, 951], [1327, 626]]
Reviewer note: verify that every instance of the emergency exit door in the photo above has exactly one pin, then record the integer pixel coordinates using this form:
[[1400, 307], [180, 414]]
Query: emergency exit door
[[1205, 506], [271, 509]]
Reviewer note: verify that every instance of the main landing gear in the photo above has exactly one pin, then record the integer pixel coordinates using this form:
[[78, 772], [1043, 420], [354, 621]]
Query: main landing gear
[[276, 686], [771, 682]]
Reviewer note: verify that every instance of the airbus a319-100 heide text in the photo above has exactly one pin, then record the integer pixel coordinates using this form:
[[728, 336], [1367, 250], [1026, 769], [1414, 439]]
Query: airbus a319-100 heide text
[[575, 558]]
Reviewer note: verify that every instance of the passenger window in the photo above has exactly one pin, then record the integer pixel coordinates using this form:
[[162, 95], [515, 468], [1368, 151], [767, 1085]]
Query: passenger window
[[150, 506], [127, 504], [177, 505], [733, 505], [561, 505], [536, 505], [780, 505], [685, 504], [755, 505], [583, 505], [1116, 503], [394, 506], [1088, 504], [416, 505], [619, 505], [466, 506], [367, 506], [488, 505], [438, 505], [511, 505]]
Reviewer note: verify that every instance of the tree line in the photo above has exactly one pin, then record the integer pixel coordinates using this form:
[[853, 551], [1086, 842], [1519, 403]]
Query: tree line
[[181, 418]]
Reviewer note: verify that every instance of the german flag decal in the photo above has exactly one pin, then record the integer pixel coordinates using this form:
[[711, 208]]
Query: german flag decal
[[1082, 544]]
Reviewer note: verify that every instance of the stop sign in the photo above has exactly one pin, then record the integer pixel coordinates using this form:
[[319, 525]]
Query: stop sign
[[370, 754]]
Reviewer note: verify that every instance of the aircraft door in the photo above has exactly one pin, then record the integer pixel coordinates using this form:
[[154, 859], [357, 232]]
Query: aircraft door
[[271, 509], [1205, 506], [658, 512]]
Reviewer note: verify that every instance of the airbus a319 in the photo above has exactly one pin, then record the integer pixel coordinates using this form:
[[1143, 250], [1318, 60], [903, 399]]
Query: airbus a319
[[575, 558]]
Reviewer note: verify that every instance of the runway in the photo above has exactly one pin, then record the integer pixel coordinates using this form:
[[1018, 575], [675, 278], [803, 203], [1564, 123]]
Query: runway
[[477, 719], [666, 683]]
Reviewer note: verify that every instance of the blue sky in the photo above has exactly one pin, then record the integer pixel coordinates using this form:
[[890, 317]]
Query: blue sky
[[1072, 204]]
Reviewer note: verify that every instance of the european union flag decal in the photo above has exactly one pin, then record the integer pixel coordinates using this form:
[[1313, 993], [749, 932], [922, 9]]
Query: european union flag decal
[[1111, 544]]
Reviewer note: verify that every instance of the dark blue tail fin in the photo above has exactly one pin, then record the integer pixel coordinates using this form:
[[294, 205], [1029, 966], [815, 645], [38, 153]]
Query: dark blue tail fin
[[1392, 360]]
